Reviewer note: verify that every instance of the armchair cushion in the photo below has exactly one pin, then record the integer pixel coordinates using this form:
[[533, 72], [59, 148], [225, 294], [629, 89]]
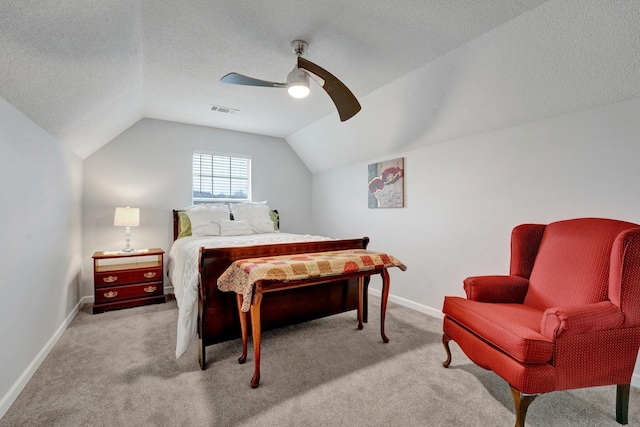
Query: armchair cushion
[[514, 328], [497, 289], [580, 319]]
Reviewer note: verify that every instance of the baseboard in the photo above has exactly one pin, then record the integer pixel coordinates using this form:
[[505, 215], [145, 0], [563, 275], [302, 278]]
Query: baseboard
[[635, 378], [19, 385], [410, 304]]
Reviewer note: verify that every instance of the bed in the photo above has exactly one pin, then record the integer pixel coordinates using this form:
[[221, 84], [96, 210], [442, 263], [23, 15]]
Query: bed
[[210, 315]]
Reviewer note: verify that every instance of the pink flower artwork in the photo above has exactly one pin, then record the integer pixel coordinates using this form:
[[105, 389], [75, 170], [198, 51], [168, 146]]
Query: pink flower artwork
[[386, 184]]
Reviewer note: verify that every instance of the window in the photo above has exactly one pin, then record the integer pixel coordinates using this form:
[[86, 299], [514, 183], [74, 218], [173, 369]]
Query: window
[[220, 178]]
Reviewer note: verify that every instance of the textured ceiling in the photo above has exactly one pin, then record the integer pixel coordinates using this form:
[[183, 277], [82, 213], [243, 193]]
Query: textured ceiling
[[86, 70]]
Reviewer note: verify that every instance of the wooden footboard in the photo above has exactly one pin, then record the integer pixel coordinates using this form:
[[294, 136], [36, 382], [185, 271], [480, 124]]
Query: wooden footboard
[[218, 319], [217, 312]]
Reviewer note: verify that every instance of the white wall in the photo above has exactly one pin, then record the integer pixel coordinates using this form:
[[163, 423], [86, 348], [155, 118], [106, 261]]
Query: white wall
[[464, 197], [40, 257], [149, 166]]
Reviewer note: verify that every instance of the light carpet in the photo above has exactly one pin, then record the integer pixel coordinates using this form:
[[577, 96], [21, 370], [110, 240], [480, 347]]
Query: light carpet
[[119, 369]]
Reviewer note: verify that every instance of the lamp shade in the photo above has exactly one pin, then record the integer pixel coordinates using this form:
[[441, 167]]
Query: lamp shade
[[127, 217]]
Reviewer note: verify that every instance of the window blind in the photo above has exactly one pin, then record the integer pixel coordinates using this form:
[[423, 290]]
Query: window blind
[[220, 178]]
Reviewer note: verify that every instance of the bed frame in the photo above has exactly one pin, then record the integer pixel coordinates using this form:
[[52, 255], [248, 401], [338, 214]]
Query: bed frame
[[218, 319]]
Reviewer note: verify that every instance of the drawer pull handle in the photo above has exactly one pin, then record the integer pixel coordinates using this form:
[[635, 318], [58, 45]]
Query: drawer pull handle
[[110, 279], [111, 294], [150, 289], [150, 274]]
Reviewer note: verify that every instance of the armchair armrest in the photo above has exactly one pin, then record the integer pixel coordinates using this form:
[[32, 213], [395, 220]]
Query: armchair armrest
[[497, 289], [580, 319]]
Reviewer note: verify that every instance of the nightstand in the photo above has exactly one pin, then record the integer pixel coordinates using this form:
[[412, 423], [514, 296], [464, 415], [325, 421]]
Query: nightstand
[[127, 280]]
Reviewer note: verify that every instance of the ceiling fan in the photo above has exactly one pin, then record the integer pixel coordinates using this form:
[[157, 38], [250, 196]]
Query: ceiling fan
[[298, 82]]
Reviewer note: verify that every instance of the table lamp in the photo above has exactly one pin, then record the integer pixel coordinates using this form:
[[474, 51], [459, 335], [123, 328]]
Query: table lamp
[[127, 217]]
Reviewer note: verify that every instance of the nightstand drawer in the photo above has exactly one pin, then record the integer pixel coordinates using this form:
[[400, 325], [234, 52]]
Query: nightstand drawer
[[123, 277], [118, 293]]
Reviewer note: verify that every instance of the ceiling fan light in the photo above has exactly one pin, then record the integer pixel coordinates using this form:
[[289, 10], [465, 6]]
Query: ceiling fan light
[[298, 91], [298, 83]]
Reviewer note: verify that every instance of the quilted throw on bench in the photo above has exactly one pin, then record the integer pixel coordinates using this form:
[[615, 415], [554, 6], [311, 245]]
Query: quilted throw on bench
[[243, 274]]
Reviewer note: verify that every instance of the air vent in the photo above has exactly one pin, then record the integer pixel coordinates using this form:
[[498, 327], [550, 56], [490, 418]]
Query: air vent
[[224, 110]]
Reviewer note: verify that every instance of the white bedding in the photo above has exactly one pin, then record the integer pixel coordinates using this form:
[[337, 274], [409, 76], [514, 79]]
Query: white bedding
[[183, 273]]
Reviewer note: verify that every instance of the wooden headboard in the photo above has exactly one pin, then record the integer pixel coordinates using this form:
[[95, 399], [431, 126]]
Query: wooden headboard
[[176, 228]]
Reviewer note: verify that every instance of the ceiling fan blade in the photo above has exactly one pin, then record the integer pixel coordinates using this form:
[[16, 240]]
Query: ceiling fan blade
[[239, 79], [346, 103]]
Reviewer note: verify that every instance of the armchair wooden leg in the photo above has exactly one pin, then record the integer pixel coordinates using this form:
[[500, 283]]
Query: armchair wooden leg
[[445, 343], [521, 402], [622, 403]]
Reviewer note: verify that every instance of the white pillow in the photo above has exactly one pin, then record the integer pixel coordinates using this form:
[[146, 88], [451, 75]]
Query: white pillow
[[211, 229], [235, 228], [247, 210], [258, 214], [202, 215], [262, 225]]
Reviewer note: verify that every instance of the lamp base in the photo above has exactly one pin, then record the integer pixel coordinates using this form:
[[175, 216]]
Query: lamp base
[[127, 249]]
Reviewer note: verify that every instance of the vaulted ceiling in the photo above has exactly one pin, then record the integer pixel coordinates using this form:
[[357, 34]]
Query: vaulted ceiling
[[85, 70], [432, 70]]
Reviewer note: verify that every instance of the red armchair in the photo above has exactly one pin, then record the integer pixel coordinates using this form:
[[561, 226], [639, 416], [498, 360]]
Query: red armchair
[[567, 316]]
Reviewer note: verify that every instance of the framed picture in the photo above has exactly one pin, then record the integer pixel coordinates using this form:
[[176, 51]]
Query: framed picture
[[386, 184]]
